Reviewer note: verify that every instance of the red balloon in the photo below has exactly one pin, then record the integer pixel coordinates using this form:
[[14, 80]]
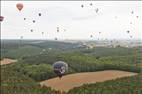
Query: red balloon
[[19, 6], [1, 18]]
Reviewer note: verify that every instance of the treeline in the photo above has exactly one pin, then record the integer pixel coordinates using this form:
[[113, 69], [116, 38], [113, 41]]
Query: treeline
[[127, 85], [13, 82], [40, 67], [36, 72]]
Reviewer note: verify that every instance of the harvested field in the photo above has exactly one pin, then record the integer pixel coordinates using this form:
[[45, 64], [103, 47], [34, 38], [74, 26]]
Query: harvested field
[[75, 80], [7, 61]]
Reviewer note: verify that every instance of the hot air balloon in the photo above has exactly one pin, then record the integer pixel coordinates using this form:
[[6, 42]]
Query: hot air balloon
[[57, 29], [91, 4], [137, 16], [96, 10], [131, 36], [31, 30], [60, 68], [132, 12], [33, 21], [42, 33], [128, 31], [39, 14], [56, 39], [91, 36], [130, 22], [82, 6], [19, 6], [1, 18]]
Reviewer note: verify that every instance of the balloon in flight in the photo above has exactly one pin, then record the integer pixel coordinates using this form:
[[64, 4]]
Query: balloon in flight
[[128, 31], [132, 12], [91, 4], [56, 39], [137, 16], [60, 68], [39, 14], [131, 36], [57, 29], [31, 30], [19, 6], [42, 33], [33, 21], [1, 18], [96, 10]]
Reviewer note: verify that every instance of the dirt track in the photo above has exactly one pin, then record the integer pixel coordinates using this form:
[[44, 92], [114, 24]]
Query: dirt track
[[78, 79], [7, 61]]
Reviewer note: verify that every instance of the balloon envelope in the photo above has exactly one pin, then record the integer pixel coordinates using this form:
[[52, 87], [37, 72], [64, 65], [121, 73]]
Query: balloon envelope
[[39, 14], [31, 30], [91, 4], [60, 68], [96, 10], [1, 18], [128, 31], [33, 21], [19, 6], [82, 6]]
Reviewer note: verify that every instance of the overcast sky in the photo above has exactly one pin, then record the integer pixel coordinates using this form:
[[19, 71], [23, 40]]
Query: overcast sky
[[113, 20]]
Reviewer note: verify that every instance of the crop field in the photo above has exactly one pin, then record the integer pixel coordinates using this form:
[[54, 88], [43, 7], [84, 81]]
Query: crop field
[[7, 61], [75, 80]]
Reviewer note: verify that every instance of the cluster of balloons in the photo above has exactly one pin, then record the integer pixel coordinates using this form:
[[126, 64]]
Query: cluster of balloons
[[132, 12], [91, 4], [20, 6]]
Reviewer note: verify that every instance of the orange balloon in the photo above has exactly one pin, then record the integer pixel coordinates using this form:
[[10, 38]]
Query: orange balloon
[[19, 6]]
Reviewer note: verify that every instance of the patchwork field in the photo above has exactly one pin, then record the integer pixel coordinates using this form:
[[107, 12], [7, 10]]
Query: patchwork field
[[75, 80]]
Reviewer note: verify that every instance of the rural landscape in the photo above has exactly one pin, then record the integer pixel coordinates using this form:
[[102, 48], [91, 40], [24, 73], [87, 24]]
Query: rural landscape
[[71, 47], [108, 70]]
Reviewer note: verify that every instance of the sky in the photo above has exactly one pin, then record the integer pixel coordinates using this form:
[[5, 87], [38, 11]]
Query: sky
[[112, 20]]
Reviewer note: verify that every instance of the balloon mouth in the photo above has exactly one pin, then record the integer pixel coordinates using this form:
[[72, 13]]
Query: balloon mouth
[[60, 76], [58, 72]]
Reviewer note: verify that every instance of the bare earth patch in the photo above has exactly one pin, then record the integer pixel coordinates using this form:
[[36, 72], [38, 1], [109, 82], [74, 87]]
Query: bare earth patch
[[7, 61], [75, 80]]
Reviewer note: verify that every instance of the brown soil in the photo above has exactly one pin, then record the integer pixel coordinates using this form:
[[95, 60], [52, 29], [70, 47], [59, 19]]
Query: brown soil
[[75, 80], [7, 61]]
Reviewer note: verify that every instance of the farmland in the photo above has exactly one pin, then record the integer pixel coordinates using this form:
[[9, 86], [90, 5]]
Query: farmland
[[75, 80]]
